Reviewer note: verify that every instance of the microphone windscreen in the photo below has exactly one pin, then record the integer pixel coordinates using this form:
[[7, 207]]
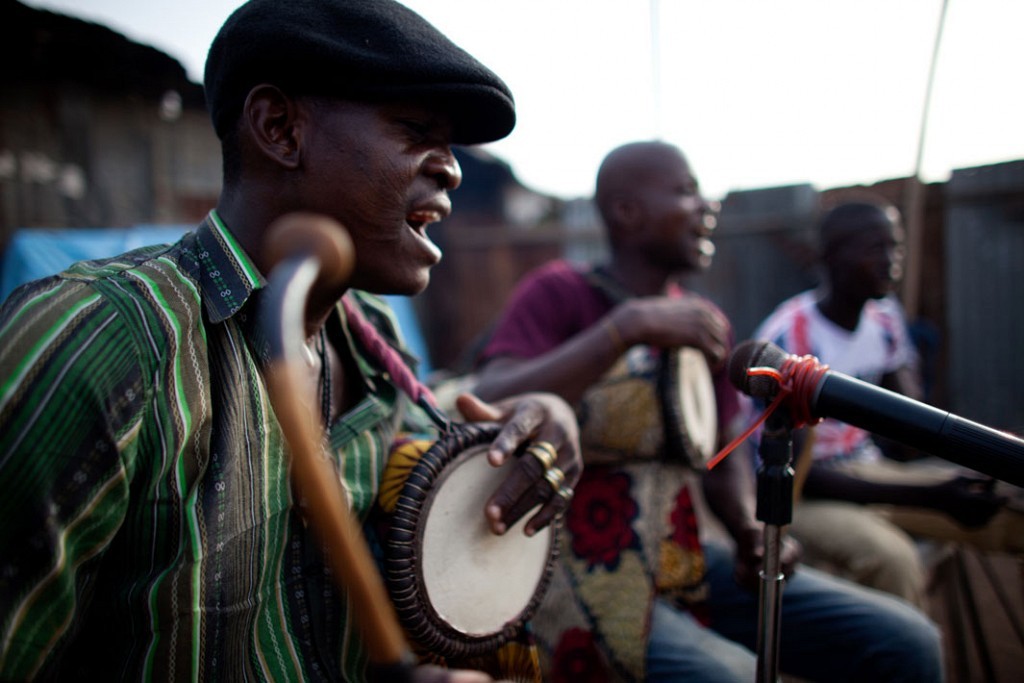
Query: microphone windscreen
[[755, 354]]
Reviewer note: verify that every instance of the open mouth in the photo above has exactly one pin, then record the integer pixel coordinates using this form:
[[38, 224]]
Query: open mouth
[[419, 220]]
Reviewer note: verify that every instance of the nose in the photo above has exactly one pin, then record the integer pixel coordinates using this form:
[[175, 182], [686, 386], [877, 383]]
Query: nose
[[443, 167]]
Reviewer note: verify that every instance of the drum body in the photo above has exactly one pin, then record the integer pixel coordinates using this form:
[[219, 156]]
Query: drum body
[[460, 590], [651, 404]]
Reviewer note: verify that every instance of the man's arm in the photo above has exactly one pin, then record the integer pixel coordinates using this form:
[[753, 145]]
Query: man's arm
[[68, 420], [572, 367], [970, 500], [567, 370]]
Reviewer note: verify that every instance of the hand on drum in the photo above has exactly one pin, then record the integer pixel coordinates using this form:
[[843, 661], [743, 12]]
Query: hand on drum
[[547, 471], [668, 322]]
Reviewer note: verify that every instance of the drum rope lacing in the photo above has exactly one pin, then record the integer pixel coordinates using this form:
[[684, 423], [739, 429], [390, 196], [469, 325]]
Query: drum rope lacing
[[798, 377]]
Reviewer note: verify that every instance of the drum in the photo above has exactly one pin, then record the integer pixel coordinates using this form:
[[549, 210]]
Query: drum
[[651, 404], [459, 590]]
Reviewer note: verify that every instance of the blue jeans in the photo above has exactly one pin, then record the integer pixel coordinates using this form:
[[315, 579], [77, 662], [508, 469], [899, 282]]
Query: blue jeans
[[832, 630]]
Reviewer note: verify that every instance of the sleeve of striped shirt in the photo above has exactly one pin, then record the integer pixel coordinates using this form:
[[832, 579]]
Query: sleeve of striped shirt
[[71, 405]]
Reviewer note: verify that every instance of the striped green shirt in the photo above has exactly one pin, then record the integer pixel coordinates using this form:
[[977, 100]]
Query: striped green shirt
[[147, 526]]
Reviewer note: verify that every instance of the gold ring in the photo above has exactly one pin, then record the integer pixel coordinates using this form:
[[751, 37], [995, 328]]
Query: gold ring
[[565, 492], [545, 452], [555, 477]]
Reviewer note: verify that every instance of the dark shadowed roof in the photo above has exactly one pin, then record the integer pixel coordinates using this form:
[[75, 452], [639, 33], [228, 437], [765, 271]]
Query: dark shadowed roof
[[40, 47]]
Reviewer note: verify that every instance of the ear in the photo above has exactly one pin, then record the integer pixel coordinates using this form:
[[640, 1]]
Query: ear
[[627, 213], [274, 123]]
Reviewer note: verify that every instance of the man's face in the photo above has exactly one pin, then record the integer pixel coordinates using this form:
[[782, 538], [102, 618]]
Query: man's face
[[870, 262], [384, 171], [678, 218]]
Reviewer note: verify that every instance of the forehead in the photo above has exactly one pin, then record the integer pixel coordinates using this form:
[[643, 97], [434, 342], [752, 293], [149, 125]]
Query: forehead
[[874, 233], [864, 225], [663, 171], [666, 162]]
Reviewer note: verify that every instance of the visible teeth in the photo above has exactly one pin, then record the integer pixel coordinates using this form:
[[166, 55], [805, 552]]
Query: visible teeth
[[420, 217]]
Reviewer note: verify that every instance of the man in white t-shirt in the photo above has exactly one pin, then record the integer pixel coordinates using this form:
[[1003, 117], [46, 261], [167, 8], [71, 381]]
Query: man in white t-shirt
[[853, 324]]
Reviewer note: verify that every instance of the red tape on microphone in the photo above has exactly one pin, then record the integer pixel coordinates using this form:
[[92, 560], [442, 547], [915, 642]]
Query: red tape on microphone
[[797, 379]]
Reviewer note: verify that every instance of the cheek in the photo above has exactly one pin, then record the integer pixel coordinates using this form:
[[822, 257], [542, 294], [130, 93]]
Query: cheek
[[373, 200]]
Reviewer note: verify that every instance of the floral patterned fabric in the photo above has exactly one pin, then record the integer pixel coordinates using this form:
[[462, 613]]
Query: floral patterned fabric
[[630, 534]]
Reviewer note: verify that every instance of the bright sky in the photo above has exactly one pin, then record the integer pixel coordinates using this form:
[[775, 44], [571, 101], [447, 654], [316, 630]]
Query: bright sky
[[758, 93]]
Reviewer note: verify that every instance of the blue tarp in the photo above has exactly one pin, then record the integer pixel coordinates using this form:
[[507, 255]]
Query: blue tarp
[[35, 252]]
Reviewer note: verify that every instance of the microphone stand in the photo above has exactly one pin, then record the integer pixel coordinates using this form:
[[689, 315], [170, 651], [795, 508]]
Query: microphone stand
[[775, 509]]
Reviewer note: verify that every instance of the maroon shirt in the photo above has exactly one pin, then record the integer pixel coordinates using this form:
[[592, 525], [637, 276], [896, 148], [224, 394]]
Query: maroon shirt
[[556, 302]]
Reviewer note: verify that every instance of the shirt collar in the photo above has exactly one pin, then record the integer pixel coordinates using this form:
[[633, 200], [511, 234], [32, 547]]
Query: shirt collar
[[229, 279], [228, 276]]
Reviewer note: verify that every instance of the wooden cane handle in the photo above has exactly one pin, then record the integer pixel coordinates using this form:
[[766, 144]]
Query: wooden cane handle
[[306, 249], [301, 235]]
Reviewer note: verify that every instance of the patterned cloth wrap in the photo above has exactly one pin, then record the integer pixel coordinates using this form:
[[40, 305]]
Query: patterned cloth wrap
[[630, 534], [622, 416], [517, 660]]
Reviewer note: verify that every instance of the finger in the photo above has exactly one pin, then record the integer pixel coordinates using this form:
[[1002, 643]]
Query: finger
[[517, 430], [474, 409], [523, 489], [535, 480], [557, 496], [534, 497], [554, 509]]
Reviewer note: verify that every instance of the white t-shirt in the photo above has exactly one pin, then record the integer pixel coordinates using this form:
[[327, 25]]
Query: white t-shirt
[[880, 344]]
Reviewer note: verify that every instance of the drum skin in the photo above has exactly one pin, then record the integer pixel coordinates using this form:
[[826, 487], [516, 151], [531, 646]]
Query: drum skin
[[459, 590]]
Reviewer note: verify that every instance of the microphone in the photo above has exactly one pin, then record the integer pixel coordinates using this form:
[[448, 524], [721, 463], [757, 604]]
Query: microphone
[[760, 369]]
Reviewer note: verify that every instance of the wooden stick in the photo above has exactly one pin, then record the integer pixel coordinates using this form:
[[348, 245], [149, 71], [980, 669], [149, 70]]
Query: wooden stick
[[317, 481], [317, 249]]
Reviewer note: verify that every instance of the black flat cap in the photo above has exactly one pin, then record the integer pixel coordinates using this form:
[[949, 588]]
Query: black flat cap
[[368, 50]]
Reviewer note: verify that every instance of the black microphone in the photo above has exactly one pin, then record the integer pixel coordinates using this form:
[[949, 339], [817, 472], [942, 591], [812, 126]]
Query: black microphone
[[882, 412]]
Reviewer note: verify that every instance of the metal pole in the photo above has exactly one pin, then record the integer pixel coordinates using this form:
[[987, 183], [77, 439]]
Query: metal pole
[[775, 509], [913, 198]]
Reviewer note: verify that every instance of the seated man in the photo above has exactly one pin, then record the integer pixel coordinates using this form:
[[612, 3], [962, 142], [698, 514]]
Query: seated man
[[150, 527], [636, 596], [853, 324]]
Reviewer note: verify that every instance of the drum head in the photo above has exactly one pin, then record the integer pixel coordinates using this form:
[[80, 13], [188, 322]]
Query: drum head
[[459, 589], [475, 580]]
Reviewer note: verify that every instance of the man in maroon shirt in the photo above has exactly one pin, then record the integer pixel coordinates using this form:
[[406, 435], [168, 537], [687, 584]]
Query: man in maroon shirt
[[636, 595]]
